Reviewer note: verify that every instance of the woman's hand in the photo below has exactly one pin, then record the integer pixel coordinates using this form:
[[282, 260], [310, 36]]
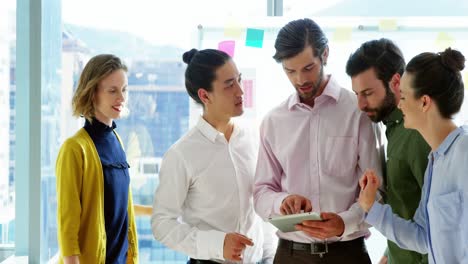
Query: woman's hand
[[369, 183]]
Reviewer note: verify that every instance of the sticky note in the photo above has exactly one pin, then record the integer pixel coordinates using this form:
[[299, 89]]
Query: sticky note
[[232, 29], [388, 25], [247, 86], [254, 38], [227, 46], [444, 40], [342, 34], [465, 80]]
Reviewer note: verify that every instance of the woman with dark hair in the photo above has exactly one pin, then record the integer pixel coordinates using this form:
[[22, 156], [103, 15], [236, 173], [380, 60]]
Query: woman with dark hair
[[431, 93], [204, 204]]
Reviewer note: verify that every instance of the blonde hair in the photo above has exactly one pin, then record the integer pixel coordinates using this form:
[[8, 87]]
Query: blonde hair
[[98, 68]]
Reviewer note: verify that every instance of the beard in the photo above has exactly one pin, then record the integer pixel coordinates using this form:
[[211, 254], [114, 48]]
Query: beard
[[315, 86], [384, 109]]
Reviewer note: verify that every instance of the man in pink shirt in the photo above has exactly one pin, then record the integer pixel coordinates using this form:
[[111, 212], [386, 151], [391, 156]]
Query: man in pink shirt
[[314, 148]]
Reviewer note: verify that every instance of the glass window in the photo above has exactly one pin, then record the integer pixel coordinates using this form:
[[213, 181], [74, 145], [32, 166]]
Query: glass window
[[7, 126], [369, 8], [150, 36]]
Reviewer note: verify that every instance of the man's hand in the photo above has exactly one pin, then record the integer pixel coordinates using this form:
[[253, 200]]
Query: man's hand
[[331, 225], [234, 245], [293, 204], [369, 183]]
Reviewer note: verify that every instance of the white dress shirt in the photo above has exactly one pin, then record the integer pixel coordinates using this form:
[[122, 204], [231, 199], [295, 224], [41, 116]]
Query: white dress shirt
[[205, 191]]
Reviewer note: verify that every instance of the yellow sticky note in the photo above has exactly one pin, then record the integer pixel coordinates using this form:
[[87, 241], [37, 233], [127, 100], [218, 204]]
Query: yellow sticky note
[[465, 80], [343, 34], [388, 25], [232, 30], [444, 40]]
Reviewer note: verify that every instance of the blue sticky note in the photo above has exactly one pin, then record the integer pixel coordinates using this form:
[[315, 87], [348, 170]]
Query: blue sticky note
[[254, 38]]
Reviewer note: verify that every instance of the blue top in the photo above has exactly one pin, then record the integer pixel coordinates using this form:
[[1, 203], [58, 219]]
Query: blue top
[[440, 225], [116, 184]]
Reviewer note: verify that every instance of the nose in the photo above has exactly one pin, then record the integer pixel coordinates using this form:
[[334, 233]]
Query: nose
[[122, 96], [362, 102], [240, 89], [301, 79]]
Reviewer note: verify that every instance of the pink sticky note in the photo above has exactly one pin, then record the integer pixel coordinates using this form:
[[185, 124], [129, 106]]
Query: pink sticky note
[[247, 85], [227, 46]]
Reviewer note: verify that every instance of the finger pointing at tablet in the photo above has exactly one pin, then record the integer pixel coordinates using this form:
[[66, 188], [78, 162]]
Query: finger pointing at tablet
[[293, 204]]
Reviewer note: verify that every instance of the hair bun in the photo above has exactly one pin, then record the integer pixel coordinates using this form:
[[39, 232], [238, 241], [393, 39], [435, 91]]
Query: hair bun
[[187, 57], [452, 59]]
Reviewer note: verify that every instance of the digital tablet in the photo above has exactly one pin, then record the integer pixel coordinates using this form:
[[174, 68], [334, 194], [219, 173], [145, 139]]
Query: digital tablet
[[286, 223]]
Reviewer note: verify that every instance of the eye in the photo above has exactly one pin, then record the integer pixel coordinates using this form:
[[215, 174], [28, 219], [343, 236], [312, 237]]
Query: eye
[[231, 84]]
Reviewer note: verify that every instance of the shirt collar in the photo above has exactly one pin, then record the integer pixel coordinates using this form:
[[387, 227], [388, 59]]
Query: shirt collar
[[210, 132], [395, 117], [98, 127], [448, 142], [332, 90]]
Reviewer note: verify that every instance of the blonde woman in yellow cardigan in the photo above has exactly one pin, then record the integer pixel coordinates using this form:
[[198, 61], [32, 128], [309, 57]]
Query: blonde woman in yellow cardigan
[[96, 219]]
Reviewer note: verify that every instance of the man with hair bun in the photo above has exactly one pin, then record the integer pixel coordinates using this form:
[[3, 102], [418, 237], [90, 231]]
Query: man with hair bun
[[203, 206]]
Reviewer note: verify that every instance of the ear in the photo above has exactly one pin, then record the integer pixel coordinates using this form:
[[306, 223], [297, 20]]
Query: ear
[[93, 98], [426, 103], [325, 55], [394, 84], [204, 96]]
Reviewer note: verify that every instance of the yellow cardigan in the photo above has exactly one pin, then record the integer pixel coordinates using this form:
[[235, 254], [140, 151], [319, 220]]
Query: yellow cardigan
[[80, 203]]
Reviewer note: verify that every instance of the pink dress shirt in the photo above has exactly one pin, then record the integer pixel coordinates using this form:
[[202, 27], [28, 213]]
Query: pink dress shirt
[[319, 153]]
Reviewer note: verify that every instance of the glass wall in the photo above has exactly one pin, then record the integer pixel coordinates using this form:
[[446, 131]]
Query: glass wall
[[151, 37], [7, 126]]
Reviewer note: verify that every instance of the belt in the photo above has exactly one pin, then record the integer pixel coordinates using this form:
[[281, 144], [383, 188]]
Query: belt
[[321, 248], [201, 261]]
